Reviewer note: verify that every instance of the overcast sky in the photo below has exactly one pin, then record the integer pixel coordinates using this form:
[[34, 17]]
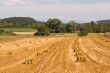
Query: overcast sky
[[78, 10]]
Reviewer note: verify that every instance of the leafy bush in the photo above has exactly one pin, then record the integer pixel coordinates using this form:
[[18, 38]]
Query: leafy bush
[[42, 30], [82, 32], [41, 33]]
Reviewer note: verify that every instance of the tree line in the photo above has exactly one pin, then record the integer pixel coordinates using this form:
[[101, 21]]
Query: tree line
[[55, 26]]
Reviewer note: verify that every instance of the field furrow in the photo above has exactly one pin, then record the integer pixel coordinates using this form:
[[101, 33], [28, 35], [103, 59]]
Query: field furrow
[[54, 55]]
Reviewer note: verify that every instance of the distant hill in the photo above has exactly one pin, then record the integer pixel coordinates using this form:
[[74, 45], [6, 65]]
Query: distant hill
[[20, 21], [104, 21]]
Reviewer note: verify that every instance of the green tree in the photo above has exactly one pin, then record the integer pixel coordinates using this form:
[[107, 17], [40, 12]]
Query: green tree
[[54, 25], [82, 32], [71, 26], [93, 26], [42, 30], [62, 28], [102, 28]]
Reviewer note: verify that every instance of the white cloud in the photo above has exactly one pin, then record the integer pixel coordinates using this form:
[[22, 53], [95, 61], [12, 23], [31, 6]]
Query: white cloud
[[26, 2], [15, 2], [55, 1], [66, 12]]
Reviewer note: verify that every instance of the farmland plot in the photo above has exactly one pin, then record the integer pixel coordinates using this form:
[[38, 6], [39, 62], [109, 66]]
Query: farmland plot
[[55, 55]]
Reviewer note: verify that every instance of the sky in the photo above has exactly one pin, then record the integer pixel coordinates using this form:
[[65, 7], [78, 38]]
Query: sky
[[66, 10]]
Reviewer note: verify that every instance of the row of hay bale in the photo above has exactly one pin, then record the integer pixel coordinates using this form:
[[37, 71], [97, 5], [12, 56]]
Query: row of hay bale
[[30, 61], [104, 39], [77, 53]]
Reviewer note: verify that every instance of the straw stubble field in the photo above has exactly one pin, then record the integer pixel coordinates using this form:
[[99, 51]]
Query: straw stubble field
[[64, 54]]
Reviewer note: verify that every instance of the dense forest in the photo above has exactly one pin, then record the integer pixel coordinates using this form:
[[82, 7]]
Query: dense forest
[[55, 25]]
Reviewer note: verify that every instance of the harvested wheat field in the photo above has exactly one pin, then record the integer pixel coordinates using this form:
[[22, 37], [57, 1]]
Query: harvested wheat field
[[64, 54]]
